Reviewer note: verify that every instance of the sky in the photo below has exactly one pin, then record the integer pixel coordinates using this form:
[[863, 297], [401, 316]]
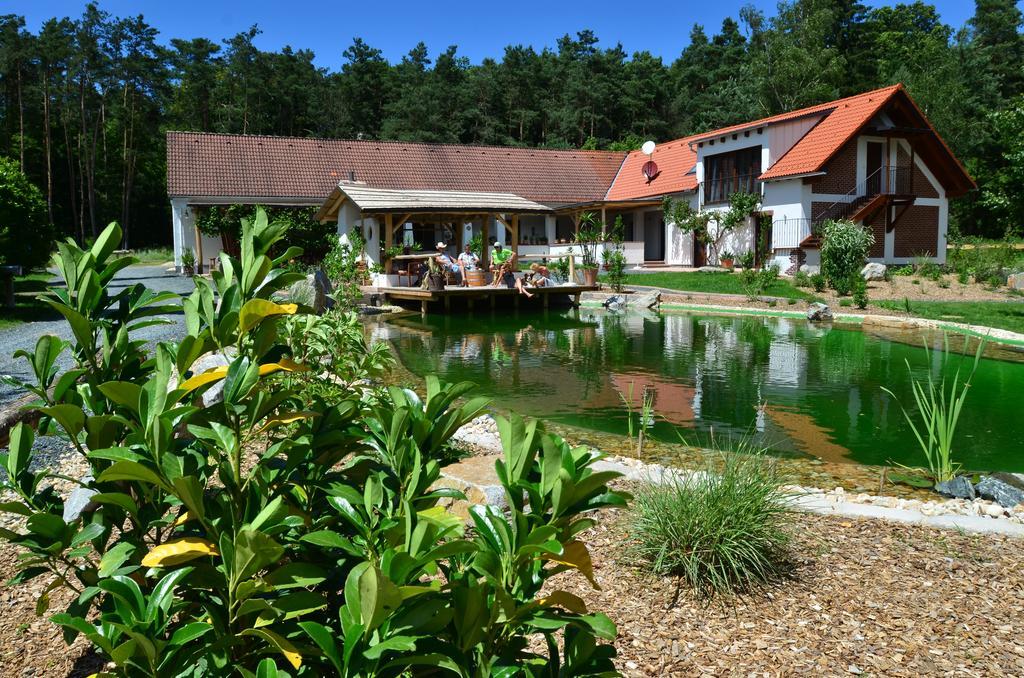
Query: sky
[[480, 29]]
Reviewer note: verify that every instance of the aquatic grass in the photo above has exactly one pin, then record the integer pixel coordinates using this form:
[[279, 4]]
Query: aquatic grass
[[939, 407], [723, 529]]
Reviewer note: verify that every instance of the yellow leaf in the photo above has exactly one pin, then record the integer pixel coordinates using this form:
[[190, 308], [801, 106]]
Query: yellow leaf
[[256, 311], [179, 551], [280, 642], [203, 379], [182, 519], [569, 601], [286, 418], [285, 364], [575, 554]]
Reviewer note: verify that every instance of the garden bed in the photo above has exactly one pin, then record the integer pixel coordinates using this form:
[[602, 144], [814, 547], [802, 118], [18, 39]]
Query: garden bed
[[867, 597]]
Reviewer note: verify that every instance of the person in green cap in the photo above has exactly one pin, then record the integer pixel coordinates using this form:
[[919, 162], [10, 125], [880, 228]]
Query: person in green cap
[[503, 262]]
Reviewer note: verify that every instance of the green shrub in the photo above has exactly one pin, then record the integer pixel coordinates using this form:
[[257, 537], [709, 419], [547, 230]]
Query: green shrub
[[722, 529], [244, 526], [963, 277], [26, 234], [860, 291], [844, 249], [801, 279], [746, 260], [843, 286], [904, 270], [846, 303], [818, 282]]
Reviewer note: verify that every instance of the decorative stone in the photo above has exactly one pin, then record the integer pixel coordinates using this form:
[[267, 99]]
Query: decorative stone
[[809, 269], [204, 363], [645, 300], [996, 490], [313, 292], [476, 478], [1014, 479], [1015, 281], [78, 501], [614, 303], [819, 312], [873, 271], [958, 488]]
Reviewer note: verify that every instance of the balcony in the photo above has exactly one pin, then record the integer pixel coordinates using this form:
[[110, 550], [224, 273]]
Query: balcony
[[885, 186]]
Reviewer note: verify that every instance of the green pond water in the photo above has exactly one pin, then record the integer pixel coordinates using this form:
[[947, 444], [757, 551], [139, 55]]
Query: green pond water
[[799, 388]]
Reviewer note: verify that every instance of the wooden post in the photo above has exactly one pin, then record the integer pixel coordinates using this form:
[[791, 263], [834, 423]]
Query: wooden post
[[485, 233], [604, 225], [576, 300], [199, 250], [572, 268], [447, 303], [515, 238], [423, 308], [544, 299], [389, 236]]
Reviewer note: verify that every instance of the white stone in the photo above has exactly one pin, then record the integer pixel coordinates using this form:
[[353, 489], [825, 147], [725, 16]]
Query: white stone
[[873, 271]]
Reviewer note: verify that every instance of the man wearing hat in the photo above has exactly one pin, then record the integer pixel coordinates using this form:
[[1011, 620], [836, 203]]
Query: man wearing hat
[[445, 262]]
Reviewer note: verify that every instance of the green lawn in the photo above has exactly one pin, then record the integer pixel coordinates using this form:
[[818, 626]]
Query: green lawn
[[154, 255], [711, 283], [1007, 315], [28, 305]]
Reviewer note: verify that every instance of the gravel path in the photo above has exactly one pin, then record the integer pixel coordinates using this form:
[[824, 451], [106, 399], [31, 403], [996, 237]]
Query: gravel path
[[24, 336]]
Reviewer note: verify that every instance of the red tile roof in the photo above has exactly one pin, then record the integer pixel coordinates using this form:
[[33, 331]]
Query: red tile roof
[[824, 140], [265, 167], [675, 161]]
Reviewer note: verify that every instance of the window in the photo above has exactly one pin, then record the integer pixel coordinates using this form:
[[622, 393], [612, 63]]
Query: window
[[728, 173]]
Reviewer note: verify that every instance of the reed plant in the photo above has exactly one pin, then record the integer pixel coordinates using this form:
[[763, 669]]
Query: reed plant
[[939, 405], [722, 529]]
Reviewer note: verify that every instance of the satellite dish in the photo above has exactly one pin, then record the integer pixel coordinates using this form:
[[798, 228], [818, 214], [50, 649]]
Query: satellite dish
[[648, 148]]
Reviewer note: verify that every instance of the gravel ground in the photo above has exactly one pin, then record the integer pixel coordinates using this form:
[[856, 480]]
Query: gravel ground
[[24, 336]]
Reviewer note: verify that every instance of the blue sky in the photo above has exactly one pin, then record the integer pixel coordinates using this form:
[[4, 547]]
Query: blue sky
[[480, 29]]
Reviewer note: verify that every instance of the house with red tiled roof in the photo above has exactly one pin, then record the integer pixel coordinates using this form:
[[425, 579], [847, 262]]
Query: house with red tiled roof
[[873, 158]]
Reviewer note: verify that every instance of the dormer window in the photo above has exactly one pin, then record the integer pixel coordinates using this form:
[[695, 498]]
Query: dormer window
[[728, 173]]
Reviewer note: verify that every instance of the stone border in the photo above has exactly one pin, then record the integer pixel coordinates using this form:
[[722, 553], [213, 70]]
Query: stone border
[[994, 334], [977, 516]]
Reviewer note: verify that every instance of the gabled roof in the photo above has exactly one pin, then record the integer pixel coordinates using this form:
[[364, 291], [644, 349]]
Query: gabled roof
[[675, 161], [370, 199], [845, 118], [841, 121], [266, 168]]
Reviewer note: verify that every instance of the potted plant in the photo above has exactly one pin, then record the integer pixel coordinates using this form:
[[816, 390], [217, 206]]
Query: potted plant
[[727, 259], [588, 237], [188, 261]]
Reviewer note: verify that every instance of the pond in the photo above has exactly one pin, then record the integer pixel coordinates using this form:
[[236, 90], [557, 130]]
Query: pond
[[801, 389]]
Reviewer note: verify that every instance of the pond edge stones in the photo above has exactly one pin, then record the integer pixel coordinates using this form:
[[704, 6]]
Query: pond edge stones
[[819, 313]]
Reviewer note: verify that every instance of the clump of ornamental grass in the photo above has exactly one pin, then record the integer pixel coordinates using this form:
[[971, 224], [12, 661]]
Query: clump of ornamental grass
[[723, 529]]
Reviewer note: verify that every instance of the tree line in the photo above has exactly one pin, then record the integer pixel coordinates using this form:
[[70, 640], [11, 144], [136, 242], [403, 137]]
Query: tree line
[[85, 102]]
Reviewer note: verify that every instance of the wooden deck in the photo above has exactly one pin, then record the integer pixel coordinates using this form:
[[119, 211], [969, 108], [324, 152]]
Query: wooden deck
[[466, 298]]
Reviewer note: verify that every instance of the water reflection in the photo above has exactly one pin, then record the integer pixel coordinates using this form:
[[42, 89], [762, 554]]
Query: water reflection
[[805, 389]]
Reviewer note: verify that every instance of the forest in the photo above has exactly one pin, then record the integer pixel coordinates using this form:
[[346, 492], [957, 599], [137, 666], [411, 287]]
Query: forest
[[85, 102]]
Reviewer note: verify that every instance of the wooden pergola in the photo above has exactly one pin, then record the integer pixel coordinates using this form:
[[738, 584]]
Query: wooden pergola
[[393, 208]]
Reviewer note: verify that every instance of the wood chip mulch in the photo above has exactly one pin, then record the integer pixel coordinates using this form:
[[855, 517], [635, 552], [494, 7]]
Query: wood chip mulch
[[869, 597]]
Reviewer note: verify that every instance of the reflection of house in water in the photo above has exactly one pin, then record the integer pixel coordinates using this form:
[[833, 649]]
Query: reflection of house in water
[[673, 401]]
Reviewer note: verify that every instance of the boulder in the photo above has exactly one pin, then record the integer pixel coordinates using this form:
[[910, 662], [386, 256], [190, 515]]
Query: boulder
[[313, 292], [809, 269], [957, 488], [614, 303], [1015, 281], [819, 312], [1002, 493], [873, 271], [204, 363], [645, 300]]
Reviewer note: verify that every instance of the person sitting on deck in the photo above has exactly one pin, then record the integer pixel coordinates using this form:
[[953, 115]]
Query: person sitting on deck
[[540, 276], [445, 262], [467, 262], [503, 263]]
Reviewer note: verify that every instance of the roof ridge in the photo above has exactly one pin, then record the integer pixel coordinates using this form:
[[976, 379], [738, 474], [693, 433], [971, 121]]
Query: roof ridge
[[397, 142]]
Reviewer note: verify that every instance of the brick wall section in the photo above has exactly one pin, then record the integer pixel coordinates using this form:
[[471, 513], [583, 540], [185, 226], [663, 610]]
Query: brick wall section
[[819, 207], [922, 187], [917, 232], [877, 226], [841, 172]]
